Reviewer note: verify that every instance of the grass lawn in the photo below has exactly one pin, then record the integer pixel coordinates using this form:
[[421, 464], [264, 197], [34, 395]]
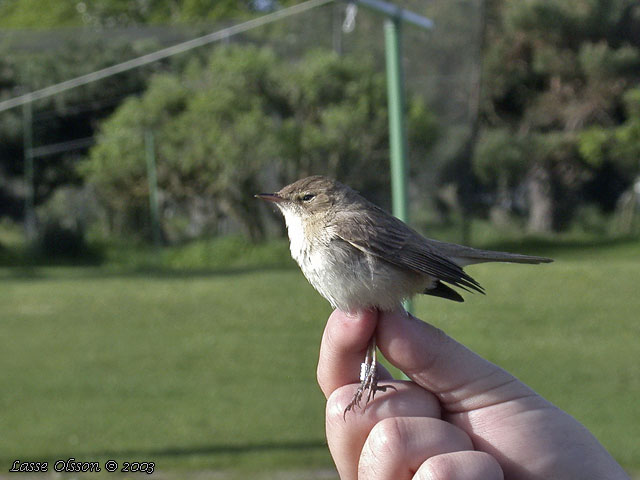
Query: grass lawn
[[215, 370]]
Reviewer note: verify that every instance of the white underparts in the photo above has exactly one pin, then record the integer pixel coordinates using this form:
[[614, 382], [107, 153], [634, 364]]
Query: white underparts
[[295, 229], [347, 277]]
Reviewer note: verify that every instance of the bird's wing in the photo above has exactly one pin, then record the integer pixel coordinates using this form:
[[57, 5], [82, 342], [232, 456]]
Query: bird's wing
[[400, 245]]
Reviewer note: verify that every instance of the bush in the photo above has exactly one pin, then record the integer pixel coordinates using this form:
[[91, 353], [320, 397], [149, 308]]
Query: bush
[[241, 122], [65, 217], [58, 242]]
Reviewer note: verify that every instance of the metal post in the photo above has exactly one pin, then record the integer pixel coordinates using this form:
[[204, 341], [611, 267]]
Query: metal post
[[395, 15], [397, 128], [152, 179], [29, 193]]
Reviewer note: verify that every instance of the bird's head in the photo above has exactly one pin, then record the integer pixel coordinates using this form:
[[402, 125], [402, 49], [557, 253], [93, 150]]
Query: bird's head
[[311, 199]]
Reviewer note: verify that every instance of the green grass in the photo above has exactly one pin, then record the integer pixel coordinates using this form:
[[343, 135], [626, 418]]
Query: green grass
[[215, 369], [183, 370]]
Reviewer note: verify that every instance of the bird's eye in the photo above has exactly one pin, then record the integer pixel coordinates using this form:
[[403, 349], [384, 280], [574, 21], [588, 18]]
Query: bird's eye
[[308, 197]]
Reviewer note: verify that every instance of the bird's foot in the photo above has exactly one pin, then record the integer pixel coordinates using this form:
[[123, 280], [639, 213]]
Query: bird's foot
[[368, 384]]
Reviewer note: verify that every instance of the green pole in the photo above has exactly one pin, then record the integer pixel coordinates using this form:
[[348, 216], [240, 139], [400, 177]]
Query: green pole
[[397, 133], [152, 179], [397, 128], [29, 197]]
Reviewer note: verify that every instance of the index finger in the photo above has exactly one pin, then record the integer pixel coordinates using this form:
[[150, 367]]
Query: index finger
[[343, 348]]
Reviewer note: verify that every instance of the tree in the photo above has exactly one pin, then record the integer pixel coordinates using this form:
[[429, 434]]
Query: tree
[[112, 13], [553, 70], [244, 116], [618, 147], [619, 144]]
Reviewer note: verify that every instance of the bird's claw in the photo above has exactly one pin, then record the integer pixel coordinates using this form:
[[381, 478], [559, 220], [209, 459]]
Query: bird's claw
[[368, 384]]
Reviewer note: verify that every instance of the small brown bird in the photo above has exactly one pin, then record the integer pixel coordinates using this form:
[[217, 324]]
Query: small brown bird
[[358, 256]]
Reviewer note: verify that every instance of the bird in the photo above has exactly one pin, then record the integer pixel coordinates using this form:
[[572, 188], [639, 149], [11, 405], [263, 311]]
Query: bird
[[360, 257]]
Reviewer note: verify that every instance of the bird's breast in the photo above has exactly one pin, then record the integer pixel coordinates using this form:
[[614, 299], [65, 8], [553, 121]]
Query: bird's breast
[[351, 279], [347, 277]]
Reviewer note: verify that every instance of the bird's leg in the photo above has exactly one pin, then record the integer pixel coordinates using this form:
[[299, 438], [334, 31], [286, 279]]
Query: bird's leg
[[372, 384], [366, 370], [368, 378]]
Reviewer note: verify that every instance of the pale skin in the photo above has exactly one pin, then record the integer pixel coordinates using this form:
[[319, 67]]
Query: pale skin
[[460, 418]]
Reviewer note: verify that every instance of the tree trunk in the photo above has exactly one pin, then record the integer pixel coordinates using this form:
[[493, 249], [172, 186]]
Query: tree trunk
[[499, 214], [540, 198]]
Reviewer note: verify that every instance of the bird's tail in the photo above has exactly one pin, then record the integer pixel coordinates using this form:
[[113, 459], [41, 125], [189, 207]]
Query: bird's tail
[[467, 255], [480, 256]]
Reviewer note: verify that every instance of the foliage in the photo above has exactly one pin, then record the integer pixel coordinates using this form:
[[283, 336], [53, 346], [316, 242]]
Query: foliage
[[499, 156], [223, 127], [559, 116], [556, 76], [57, 242], [619, 144], [111, 13], [38, 13]]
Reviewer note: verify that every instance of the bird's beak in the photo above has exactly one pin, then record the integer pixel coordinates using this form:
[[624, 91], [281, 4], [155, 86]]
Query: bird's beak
[[270, 197]]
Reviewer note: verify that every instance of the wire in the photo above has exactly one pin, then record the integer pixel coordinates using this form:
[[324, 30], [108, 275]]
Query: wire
[[160, 54], [61, 147]]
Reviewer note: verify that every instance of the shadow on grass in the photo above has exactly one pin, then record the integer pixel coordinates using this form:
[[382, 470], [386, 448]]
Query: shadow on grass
[[93, 269], [25, 258], [221, 449], [176, 452], [224, 256], [146, 272]]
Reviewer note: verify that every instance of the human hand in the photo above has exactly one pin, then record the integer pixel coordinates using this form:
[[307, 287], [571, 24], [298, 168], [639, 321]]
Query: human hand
[[461, 417]]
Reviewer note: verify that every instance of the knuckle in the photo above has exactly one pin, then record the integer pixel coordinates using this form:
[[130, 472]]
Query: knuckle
[[439, 467], [467, 464], [385, 441], [387, 436]]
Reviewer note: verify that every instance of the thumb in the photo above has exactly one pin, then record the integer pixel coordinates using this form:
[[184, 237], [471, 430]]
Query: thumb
[[461, 379]]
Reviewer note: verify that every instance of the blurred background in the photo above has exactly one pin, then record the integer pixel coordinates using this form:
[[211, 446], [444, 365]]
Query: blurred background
[[149, 308]]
